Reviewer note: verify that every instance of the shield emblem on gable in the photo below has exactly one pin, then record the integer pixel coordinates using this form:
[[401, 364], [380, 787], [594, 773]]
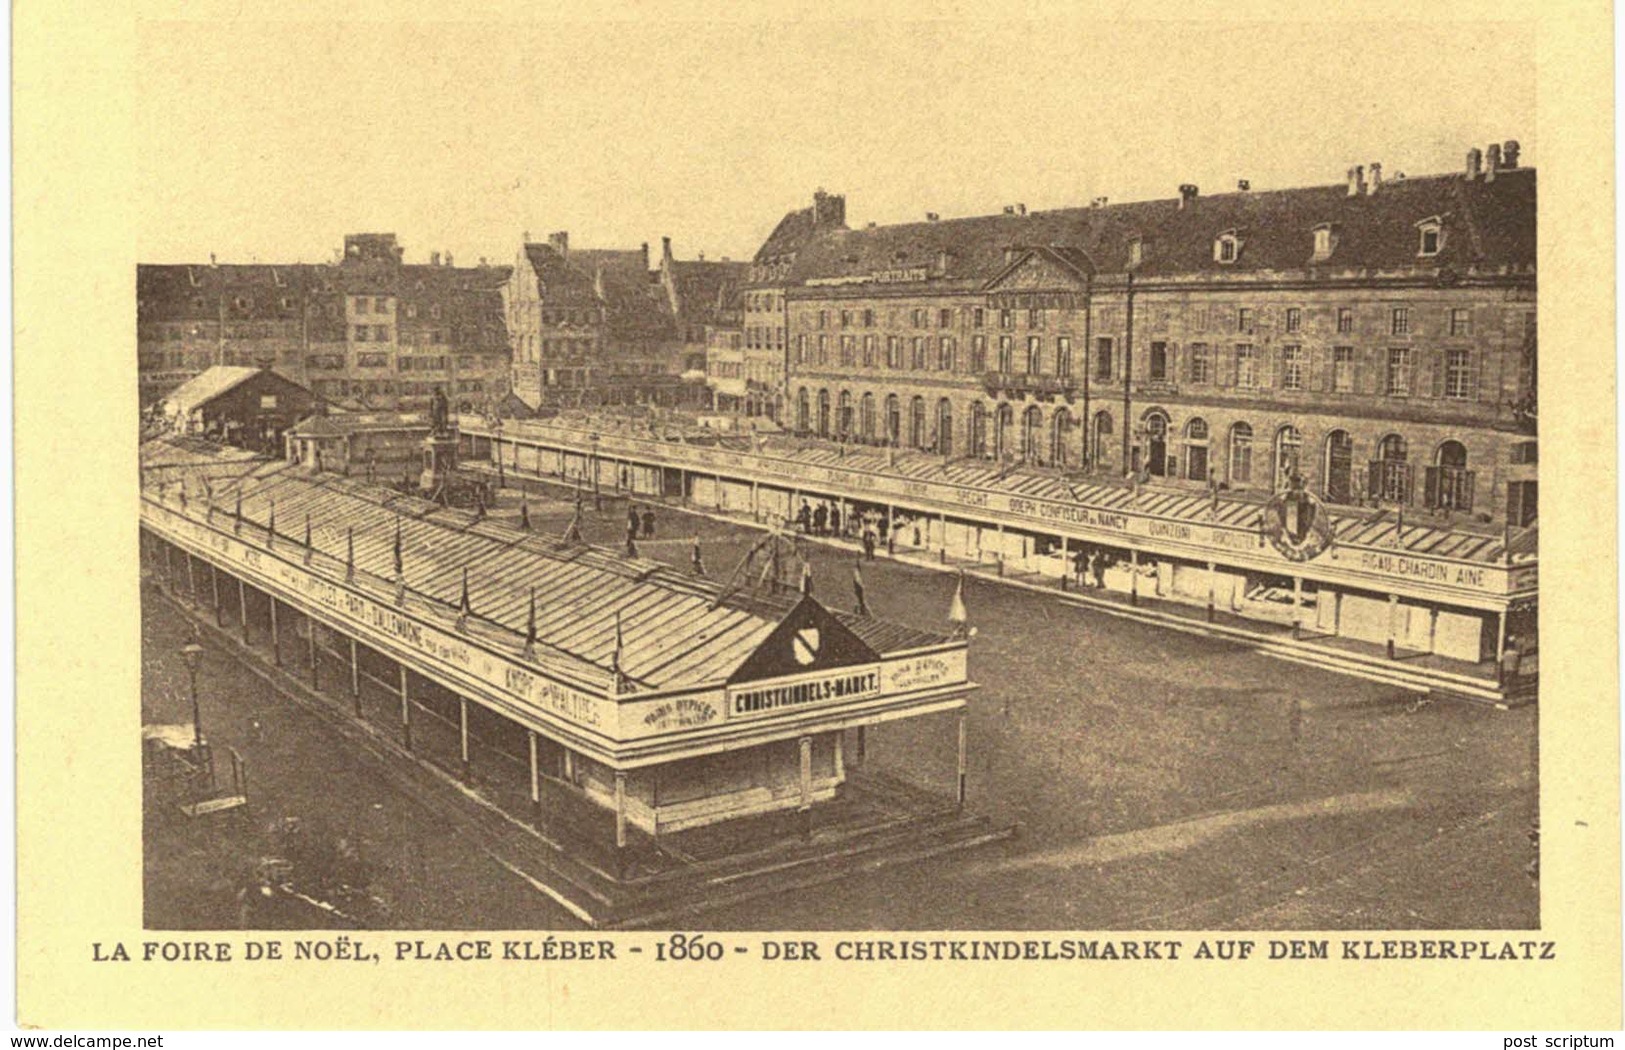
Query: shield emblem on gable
[[804, 645]]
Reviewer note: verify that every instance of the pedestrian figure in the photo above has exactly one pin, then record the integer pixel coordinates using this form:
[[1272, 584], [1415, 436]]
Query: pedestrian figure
[[1294, 720], [1080, 566], [869, 543], [1511, 661], [1098, 565], [649, 523], [631, 540], [916, 532], [631, 517], [699, 563], [834, 520], [857, 589], [804, 517], [819, 517]]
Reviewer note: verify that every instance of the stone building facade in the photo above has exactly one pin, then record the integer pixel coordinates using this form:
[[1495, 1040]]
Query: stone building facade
[[369, 331], [1375, 339]]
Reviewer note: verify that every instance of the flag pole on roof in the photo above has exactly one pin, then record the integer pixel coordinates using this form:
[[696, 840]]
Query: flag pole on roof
[[308, 547], [619, 679], [524, 513], [270, 527], [463, 606], [237, 515], [349, 554], [530, 627], [400, 565]]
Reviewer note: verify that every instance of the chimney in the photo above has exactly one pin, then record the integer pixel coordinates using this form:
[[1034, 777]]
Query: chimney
[[560, 242], [1509, 154], [434, 258], [526, 237], [1010, 253], [701, 257], [483, 263], [448, 258], [943, 258], [1475, 163], [1098, 202], [1187, 195], [1243, 185], [211, 260], [1356, 180], [665, 253], [932, 216], [1009, 209], [1492, 161], [829, 209], [1376, 178], [1021, 209], [645, 248]]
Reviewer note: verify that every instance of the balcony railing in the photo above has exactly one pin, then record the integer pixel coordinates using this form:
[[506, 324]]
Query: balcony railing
[[1018, 384]]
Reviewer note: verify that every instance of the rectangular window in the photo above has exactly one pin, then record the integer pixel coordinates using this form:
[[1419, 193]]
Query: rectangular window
[[1291, 368], [894, 351], [1006, 352], [846, 318], [868, 351], [823, 318], [1461, 321], [1007, 318], [945, 318], [1157, 366], [1458, 374], [1246, 365], [917, 352], [1035, 318], [978, 317], [1399, 371], [1294, 318], [1103, 358], [1244, 319], [1063, 356], [380, 305], [361, 305], [823, 349], [361, 333], [868, 318], [946, 354], [380, 333], [801, 349], [1400, 321], [978, 353], [1345, 320], [1199, 319], [1343, 369], [917, 316], [849, 351], [1035, 352], [1201, 364]]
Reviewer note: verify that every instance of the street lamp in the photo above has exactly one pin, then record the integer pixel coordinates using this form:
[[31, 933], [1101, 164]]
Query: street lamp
[[193, 654]]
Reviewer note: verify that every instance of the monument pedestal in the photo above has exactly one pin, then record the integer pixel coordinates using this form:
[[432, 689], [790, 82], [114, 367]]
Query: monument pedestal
[[439, 462]]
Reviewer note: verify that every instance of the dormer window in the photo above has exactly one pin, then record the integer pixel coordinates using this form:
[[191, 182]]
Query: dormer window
[[1227, 247], [1430, 236], [1325, 240], [1136, 251]]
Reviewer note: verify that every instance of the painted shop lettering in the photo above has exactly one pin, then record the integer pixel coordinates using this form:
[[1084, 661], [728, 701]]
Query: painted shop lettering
[[1433, 571], [756, 701]]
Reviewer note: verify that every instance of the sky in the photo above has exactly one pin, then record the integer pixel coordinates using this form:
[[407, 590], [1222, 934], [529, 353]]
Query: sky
[[269, 142]]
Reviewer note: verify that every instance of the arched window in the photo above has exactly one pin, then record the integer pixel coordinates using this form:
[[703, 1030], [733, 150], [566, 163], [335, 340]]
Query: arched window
[[802, 413], [843, 414], [1003, 422], [978, 430], [1032, 429], [894, 419], [1061, 427], [945, 427], [1452, 454], [1156, 443], [1099, 439], [1339, 467], [916, 423], [1390, 473], [1392, 449], [1449, 482], [1196, 441], [1241, 454], [866, 419], [1288, 456], [823, 413]]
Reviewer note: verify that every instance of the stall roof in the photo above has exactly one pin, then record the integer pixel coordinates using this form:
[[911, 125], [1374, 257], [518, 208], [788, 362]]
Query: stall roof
[[675, 630]]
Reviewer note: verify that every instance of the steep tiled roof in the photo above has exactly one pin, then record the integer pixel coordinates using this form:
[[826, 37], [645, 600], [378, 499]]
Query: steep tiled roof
[[208, 385], [1487, 225], [635, 307], [703, 288]]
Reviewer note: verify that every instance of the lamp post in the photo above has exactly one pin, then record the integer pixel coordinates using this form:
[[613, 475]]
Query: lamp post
[[192, 652]]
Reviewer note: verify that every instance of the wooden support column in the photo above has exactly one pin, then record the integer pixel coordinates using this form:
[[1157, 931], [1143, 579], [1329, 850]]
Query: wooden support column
[[806, 787], [1500, 636], [959, 796], [1297, 607], [191, 580], [169, 565], [462, 727], [1337, 614], [242, 606], [1212, 588], [535, 773], [315, 657], [276, 636], [406, 710], [214, 586], [756, 500], [355, 677], [620, 821], [1133, 576], [1393, 613]]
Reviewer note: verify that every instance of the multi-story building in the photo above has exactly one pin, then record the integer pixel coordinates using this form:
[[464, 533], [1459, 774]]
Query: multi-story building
[[599, 326], [766, 312], [370, 330], [1373, 338]]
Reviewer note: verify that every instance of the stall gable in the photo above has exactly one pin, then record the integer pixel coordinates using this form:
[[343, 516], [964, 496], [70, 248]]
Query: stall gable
[[809, 638]]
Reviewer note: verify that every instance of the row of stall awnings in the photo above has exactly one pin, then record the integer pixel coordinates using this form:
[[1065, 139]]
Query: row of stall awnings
[[599, 616], [1384, 530]]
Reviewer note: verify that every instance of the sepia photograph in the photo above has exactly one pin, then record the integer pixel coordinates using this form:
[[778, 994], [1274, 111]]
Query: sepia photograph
[[1110, 551]]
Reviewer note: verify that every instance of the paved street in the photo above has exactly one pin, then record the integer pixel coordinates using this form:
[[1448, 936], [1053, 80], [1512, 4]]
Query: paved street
[[1160, 780]]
